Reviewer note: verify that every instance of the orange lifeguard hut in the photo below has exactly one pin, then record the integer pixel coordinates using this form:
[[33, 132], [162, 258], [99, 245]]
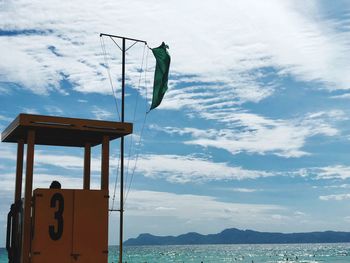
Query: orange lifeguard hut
[[60, 225]]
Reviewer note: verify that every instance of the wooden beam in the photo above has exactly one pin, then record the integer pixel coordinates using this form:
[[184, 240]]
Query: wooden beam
[[87, 166], [105, 163], [19, 170], [28, 198], [17, 202]]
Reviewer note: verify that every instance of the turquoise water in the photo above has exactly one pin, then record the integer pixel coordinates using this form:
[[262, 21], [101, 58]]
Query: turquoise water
[[302, 253]]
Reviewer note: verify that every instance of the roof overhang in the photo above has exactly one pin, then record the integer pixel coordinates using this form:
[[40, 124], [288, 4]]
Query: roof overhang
[[62, 131]]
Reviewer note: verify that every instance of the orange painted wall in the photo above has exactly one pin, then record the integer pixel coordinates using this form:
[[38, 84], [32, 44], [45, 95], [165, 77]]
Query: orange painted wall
[[70, 226]]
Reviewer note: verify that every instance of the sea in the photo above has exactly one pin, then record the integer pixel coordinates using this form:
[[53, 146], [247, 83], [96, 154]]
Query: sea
[[302, 253]]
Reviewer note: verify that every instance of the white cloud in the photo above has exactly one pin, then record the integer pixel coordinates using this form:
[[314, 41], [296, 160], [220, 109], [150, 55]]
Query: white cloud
[[249, 41], [185, 169], [7, 152], [30, 110], [189, 212], [51, 109], [174, 168], [245, 190], [102, 114], [70, 162], [4, 118], [342, 186], [7, 182], [4, 91], [204, 214], [64, 161], [52, 158], [41, 180], [280, 217], [299, 214], [336, 197], [252, 133], [150, 203], [244, 36], [343, 96], [334, 172]]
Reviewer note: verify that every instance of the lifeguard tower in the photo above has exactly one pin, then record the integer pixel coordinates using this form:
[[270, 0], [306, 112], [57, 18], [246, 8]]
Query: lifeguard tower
[[60, 225]]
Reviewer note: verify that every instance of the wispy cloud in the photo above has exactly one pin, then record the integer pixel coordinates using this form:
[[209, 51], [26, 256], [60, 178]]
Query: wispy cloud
[[173, 168], [275, 34], [206, 214], [299, 214], [181, 168], [343, 96], [334, 172], [51, 109], [185, 169], [4, 118], [191, 206], [335, 197], [245, 190], [42, 180], [341, 186], [52, 158], [101, 114], [276, 39], [7, 152], [252, 133], [30, 110], [329, 172]]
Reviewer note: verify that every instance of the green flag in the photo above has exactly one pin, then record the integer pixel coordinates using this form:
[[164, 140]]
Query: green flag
[[160, 84]]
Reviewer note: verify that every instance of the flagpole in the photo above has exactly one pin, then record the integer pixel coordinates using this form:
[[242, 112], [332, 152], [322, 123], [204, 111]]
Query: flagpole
[[121, 221], [121, 210]]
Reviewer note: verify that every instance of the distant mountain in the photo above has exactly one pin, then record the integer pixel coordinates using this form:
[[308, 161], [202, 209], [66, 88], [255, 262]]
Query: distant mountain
[[236, 236]]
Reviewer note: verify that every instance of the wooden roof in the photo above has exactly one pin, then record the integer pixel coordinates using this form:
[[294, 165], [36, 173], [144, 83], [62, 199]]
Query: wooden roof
[[61, 131]]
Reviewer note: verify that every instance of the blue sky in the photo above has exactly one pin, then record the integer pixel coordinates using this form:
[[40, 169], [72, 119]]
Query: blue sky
[[254, 130]]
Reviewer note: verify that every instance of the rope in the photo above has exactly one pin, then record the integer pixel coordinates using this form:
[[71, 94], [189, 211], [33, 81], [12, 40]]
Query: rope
[[141, 133], [115, 183], [136, 159], [134, 115], [146, 101], [137, 151], [103, 47]]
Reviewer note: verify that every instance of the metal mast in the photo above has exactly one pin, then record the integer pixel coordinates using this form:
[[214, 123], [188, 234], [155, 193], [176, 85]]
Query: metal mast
[[121, 209]]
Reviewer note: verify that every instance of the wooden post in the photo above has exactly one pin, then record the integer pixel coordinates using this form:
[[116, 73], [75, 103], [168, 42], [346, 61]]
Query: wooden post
[[18, 193], [87, 166], [105, 163], [19, 170], [28, 197]]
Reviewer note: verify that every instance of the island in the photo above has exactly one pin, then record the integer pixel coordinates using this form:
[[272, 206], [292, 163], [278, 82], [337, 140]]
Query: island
[[237, 236]]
